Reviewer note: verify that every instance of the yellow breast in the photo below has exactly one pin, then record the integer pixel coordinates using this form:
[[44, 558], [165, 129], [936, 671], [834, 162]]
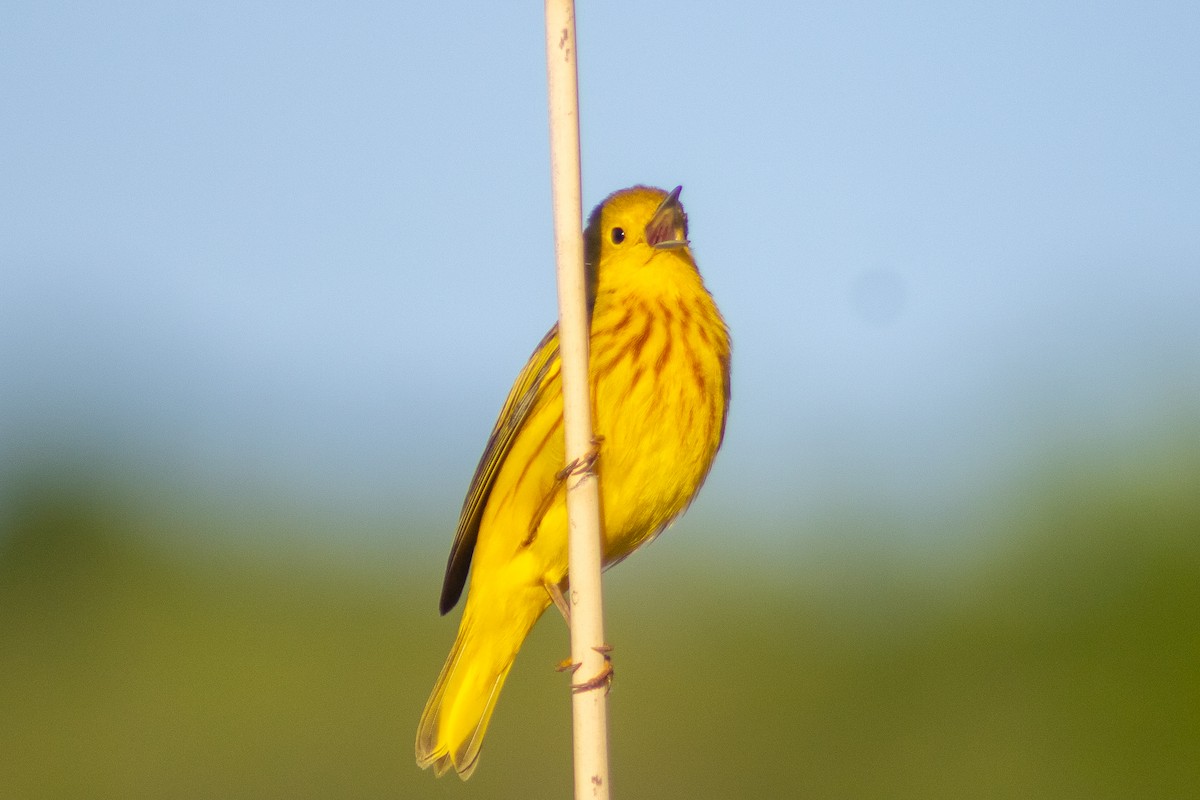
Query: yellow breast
[[660, 383]]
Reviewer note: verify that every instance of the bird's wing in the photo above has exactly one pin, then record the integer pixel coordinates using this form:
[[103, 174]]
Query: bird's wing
[[521, 399]]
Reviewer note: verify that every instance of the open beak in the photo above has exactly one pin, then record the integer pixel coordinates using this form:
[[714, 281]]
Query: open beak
[[667, 229]]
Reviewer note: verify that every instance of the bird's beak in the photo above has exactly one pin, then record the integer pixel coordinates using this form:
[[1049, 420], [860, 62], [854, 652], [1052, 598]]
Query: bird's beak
[[667, 229]]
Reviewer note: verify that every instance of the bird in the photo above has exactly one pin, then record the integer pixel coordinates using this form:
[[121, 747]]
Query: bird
[[659, 378]]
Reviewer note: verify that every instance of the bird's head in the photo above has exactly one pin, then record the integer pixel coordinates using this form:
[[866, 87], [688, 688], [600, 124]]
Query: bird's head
[[631, 228]]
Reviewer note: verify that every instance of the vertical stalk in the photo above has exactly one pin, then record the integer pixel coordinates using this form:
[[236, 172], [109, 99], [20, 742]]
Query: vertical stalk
[[590, 707]]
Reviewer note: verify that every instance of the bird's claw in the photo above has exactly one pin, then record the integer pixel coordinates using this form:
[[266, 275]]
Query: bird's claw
[[603, 678], [584, 465]]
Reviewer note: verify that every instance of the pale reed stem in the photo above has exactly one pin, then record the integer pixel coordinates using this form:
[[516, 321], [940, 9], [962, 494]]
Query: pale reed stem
[[589, 708]]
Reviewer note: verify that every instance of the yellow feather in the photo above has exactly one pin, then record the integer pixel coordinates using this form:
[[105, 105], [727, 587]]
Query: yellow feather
[[659, 371]]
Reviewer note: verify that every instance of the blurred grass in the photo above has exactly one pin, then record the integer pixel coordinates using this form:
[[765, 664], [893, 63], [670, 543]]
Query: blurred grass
[[140, 657]]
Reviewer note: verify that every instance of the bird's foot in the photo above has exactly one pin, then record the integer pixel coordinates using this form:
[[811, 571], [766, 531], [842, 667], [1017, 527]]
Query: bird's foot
[[603, 678], [585, 464]]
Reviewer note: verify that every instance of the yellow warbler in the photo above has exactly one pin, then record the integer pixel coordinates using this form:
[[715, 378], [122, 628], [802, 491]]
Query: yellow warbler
[[659, 373]]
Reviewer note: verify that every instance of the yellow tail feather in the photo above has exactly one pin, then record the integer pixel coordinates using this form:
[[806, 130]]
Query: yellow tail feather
[[457, 714]]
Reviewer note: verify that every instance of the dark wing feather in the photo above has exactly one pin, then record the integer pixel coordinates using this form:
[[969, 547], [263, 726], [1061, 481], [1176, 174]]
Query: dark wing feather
[[521, 399]]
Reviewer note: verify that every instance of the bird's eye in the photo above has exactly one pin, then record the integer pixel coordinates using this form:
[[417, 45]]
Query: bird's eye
[[618, 235]]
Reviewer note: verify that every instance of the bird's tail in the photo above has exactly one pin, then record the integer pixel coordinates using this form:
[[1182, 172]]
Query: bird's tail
[[457, 714]]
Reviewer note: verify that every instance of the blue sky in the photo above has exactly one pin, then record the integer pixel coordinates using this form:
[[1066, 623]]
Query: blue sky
[[305, 248]]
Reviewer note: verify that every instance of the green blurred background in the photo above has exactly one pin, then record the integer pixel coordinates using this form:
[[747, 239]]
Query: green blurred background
[[156, 647]]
